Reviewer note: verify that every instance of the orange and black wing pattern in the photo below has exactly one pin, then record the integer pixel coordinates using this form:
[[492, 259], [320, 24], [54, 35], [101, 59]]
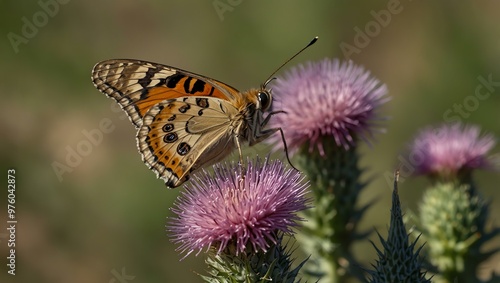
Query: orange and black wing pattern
[[139, 85]]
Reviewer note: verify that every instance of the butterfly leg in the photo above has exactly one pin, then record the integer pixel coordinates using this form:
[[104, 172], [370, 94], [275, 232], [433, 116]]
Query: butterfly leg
[[259, 136], [268, 117], [241, 165], [286, 149], [238, 145]]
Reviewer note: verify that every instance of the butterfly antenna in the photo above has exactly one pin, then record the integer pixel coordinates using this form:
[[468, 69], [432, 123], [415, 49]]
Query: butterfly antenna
[[300, 51]]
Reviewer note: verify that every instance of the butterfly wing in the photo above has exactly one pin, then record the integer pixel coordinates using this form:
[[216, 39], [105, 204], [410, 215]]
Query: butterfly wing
[[139, 85], [181, 135]]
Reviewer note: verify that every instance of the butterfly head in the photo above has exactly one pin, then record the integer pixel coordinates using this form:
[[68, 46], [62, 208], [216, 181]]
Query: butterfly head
[[265, 99], [264, 96]]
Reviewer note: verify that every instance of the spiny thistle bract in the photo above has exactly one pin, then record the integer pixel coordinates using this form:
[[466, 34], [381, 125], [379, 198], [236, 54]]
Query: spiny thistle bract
[[398, 262], [274, 265]]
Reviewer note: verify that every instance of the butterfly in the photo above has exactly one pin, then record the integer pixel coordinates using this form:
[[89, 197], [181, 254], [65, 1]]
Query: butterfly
[[185, 121]]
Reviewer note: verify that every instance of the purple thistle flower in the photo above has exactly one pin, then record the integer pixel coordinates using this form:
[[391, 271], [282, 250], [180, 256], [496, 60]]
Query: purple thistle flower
[[451, 149], [224, 209], [327, 98]]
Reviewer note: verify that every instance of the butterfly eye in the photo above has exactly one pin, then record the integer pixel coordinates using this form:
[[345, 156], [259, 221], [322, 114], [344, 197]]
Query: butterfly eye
[[264, 99]]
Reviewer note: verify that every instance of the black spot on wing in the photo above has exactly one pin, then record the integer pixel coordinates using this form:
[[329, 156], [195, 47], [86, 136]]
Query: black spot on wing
[[168, 128], [162, 82], [202, 102], [183, 148], [173, 80], [184, 108], [187, 82], [144, 93], [146, 81], [170, 138], [198, 86]]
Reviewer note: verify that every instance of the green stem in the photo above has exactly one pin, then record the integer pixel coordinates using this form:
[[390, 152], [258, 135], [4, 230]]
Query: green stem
[[330, 228]]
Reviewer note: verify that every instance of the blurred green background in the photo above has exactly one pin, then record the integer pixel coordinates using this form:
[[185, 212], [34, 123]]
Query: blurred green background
[[108, 215]]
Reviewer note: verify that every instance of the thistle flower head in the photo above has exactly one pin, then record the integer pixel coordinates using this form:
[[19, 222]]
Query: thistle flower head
[[245, 212], [326, 98], [449, 150]]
